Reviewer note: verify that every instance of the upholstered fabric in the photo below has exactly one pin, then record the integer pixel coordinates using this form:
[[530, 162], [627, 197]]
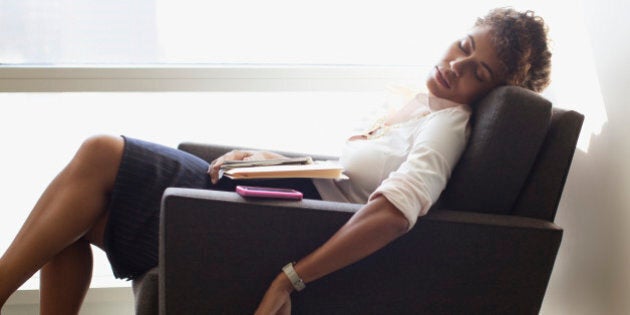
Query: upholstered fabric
[[509, 126], [541, 195], [219, 253], [145, 292]]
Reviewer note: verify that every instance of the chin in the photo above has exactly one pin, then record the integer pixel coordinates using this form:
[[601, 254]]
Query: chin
[[433, 87]]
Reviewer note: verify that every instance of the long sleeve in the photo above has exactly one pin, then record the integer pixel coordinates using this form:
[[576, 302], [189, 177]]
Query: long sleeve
[[420, 179]]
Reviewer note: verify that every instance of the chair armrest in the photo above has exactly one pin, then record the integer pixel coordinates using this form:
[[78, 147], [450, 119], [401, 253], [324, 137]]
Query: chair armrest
[[209, 152], [219, 252]]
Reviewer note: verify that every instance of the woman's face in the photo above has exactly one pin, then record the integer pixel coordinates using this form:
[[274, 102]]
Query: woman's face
[[469, 69]]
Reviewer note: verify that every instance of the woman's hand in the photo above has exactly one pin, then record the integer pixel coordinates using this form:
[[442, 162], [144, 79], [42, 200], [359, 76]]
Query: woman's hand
[[277, 299], [239, 155]]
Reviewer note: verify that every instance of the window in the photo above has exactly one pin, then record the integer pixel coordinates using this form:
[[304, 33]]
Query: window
[[227, 32]]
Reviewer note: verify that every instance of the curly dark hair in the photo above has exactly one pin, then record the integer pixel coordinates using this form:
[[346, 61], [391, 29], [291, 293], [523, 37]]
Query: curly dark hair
[[522, 46]]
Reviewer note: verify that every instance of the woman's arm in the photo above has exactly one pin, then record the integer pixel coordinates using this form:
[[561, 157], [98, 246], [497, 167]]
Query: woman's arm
[[373, 227]]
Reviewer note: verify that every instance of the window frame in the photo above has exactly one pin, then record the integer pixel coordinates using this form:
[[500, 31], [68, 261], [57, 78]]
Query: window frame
[[161, 78]]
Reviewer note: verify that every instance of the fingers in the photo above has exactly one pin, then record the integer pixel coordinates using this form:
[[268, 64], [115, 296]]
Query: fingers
[[254, 156], [215, 166], [214, 169], [264, 155], [238, 155]]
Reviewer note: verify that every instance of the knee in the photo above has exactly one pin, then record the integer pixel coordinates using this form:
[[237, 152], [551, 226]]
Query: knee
[[100, 142], [100, 151], [101, 145]]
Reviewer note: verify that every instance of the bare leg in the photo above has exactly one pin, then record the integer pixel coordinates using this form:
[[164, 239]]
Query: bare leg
[[70, 208], [65, 279]]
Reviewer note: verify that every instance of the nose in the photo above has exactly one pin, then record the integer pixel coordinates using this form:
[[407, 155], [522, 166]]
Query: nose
[[459, 65]]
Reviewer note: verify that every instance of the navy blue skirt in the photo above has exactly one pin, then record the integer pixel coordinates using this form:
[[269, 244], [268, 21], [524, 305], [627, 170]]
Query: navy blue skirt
[[146, 170]]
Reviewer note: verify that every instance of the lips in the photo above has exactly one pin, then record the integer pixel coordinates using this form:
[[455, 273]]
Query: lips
[[441, 79]]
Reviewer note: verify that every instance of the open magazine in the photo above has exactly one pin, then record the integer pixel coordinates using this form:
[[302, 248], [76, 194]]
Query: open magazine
[[301, 167]]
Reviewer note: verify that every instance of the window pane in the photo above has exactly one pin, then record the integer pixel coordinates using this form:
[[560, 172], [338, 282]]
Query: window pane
[[76, 32], [394, 32]]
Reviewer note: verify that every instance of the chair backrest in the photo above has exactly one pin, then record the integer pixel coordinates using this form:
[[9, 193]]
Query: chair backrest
[[518, 156], [541, 193]]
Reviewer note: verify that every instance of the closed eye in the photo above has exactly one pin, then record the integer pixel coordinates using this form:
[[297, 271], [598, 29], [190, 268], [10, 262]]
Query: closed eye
[[462, 46], [465, 46], [478, 76]]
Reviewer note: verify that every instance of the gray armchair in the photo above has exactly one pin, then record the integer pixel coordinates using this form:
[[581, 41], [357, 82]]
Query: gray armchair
[[487, 246]]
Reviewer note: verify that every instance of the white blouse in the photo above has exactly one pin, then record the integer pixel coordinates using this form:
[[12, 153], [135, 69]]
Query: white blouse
[[408, 162]]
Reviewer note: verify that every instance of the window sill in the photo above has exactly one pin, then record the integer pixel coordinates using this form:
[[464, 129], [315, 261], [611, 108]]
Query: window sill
[[62, 78]]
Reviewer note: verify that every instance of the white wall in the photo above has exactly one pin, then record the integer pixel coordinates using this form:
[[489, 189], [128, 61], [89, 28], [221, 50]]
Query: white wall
[[592, 272]]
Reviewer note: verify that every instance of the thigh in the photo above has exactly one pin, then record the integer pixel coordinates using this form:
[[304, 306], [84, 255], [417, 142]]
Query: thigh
[[130, 233]]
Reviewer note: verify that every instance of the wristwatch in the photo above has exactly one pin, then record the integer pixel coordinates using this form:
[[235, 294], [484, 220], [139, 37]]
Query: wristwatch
[[296, 281]]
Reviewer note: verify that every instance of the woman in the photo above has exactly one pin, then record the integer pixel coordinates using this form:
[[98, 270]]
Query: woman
[[109, 193]]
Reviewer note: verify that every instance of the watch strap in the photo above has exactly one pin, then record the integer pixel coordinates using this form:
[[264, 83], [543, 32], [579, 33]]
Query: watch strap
[[295, 279]]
